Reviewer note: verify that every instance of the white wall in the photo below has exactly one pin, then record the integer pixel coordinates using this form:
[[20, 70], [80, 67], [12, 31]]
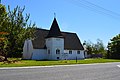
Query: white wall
[[39, 54], [27, 49], [74, 54], [53, 44]]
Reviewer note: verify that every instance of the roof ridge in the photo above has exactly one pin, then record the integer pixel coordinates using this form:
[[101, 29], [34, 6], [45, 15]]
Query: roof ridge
[[42, 29], [61, 31], [68, 32]]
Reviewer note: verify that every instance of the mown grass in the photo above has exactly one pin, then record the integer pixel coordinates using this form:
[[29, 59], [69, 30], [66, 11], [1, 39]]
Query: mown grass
[[21, 63]]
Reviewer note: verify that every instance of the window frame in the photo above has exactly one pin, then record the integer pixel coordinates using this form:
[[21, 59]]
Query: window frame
[[70, 51], [57, 51], [78, 52]]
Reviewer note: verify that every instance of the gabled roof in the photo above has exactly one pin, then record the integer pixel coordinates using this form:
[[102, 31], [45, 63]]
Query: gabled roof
[[71, 40], [54, 30]]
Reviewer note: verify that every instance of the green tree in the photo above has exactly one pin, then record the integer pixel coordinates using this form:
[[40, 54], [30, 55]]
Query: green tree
[[2, 9], [3, 44], [3, 17], [114, 47], [3, 38], [95, 48], [18, 28], [100, 48], [88, 46]]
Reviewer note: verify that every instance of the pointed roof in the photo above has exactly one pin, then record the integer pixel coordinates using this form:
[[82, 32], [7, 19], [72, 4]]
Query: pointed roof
[[54, 30]]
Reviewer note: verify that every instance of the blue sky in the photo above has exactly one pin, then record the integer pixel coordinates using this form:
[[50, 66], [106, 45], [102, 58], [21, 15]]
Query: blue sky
[[90, 19]]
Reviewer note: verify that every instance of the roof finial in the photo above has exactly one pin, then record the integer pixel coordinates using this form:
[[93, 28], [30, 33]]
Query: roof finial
[[54, 15]]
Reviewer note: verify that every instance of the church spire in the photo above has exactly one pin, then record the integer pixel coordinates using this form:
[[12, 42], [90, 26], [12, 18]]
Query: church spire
[[54, 15], [54, 30]]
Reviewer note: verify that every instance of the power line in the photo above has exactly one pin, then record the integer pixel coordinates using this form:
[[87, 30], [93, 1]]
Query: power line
[[109, 11], [95, 8]]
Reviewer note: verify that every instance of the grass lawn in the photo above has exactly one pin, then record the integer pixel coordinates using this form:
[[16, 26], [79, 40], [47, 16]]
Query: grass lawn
[[22, 63]]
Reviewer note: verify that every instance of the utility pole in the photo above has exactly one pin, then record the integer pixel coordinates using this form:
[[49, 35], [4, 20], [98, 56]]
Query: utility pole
[[0, 1]]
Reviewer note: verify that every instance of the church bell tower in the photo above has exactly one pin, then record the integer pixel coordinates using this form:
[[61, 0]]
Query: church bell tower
[[55, 42]]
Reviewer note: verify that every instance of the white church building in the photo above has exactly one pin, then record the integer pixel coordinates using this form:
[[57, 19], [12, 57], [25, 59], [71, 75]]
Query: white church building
[[53, 45]]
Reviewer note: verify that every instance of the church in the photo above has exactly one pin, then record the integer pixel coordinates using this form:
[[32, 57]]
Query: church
[[53, 44]]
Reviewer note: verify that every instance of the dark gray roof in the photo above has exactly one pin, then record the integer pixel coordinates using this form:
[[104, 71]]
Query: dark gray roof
[[71, 40], [54, 30]]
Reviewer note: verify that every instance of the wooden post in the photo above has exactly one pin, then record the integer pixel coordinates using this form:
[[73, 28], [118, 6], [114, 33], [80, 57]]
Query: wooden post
[[76, 59]]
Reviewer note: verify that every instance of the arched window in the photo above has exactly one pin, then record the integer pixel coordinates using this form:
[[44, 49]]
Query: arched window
[[57, 51]]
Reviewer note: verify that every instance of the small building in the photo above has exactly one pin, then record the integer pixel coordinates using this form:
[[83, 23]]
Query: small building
[[53, 45]]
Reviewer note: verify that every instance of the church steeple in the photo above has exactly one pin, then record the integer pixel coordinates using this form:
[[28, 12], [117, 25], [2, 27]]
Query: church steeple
[[54, 30]]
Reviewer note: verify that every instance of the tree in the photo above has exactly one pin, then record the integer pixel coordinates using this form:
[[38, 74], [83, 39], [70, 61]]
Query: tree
[[99, 47], [3, 38], [3, 44], [114, 47], [2, 9], [3, 17], [88, 46], [95, 48], [18, 28]]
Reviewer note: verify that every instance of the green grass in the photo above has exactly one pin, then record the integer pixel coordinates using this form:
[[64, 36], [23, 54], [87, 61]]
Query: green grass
[[22, 63]]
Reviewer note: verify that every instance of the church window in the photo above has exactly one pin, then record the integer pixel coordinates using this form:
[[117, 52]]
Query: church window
[[70, 52], [78, 52], [57, 51]]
